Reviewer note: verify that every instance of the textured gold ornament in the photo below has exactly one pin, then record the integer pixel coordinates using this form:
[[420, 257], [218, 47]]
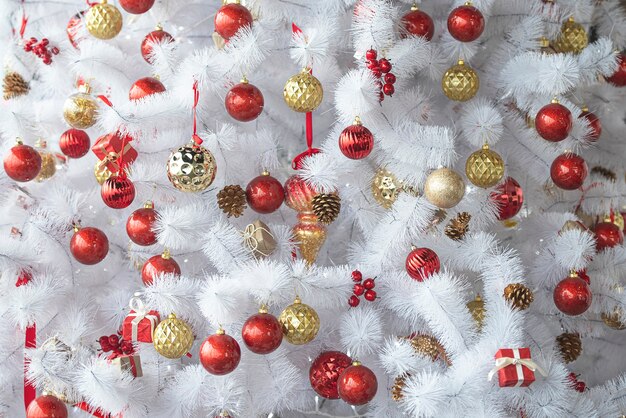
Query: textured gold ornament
[[385, 188], [101, 172], [232, 200], [300, 323], [14, 85], [460, 82], [618, 219], [429, 346], [484, 168], [605, 172], [545, 48], [478, 311], [444, 188], [570, 346], [103, 20], [310, 235], [326, 206], [172, 338], [518, 295], [81, 109], [573, 37], [48, 166], [191, 168], [614, 319], [396, 390], [573, 226], [303, 92], [458, 227]]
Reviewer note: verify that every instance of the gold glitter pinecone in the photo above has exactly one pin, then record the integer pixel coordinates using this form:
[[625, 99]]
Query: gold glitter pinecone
[[614, 319], [605, 172], [14, 85], [326, 207], [570, 346], [232, 200], [478, 311], [396, 390], [518, 295], [458, 227], [429, 346]]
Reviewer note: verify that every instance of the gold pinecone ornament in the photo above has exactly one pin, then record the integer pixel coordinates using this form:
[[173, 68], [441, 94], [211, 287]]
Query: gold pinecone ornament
[[300, 323], [570, 346], [396, 390], [103, 20], [48, 162], [326, 206], [303, 92], [573, 37], [429, 346], [14, 85], [477, 309], [614, 320], [458, 227], [172, 338], [518, 295], [605, 172], [81, 109], [484, 168], [385, 188], [460, 82], [232, 200]]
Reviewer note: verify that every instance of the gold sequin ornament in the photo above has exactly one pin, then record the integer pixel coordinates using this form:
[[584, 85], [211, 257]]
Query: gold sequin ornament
[[81, 109], [573, 37], [460, 82], [48, 162], [385, 188], [300, 323], [172, 338], [191, 168], [614, 319], [101, 172], [444, 188], [477, 309], [310, 235], [303, 92], [484, 168], [103, 20], [398, 385]]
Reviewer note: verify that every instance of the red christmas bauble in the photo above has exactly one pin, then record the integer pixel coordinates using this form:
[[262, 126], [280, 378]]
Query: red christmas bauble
[[89, 246], [140, 224], [594, 124], [619, 76], [117, 192], [422, 263], [230, 18], [325, 371], [244, 102], [264, 193], [418, 23], [572, 295], [356, 141], [608, 235], [299, 194], [23, 278], [568, 171], [157, 265], [262, 333], [73, 27], [75, 143], [22, 163], [46, 406], [466, 23], [220, 353], [136, 7], [144, 87], [554, 122], [357, 384], [158, 36], [509, 197]]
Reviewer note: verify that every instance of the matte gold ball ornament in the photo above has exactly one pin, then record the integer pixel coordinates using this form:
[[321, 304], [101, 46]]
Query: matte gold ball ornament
[[573, 38], [303, 92], [385, 188], [460, 82], [300, 323], [172, 338], [103, 20], [444, 188], [484, 168], [81, 109], [191, 168]]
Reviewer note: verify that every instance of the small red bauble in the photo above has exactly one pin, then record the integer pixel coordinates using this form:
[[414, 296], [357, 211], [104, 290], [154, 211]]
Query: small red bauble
[[572, 295], [140, 224], [299, 194], [619, 76], [117, 192], [356, 141], [554, 122], [388, 89], [230, 18], [390, 78], [144, 87], [357, 384], [384, 65], [262, 333], [594, 124], [568, 171], [22, 163], [220, 353], [73, 27], [136, 7], [421, 263], [509, 197], [46, 406], [418, 23], [325, 371], [371, 54], [608, 235], [354, 301], [264, 193], [466, 23], [89, 246], [370, 295], [244, 102], [157, 265], [74, 143], [158, 36]]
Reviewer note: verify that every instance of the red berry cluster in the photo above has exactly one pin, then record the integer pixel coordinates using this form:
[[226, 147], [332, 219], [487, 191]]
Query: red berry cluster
[[361, 287], [576, 384], [378, 68], [115, 344], [41, 49]]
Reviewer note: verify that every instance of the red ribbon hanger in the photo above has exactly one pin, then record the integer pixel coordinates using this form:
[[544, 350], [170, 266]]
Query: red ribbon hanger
[[196, 99]]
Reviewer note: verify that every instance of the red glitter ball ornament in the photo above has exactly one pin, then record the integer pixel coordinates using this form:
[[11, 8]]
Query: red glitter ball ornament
[[466, 23], [421, 263], [244, 102], [568, 171], [325, 371], [554, 122], [619, 76], [356, 141], [262, 333], [46, 406], [89, 245], [572, 295], [144, 87], [22, 163], [117, 192], [136, 7], [157, 265], [509, 197], [418, 23], [264, 193], [608, 235], [357, 384], [140, 224], [158, 36], [73, 28], [220, 353], [594, 124], [230, 18], [74, 143]]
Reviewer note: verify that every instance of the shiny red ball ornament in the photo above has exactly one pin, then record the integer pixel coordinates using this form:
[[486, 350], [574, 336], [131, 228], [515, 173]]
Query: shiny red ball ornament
[[594, 124], [608, 235], [418, 23], [117, 192], [230, 18], [299, 194], [572, 295], [136, 7], [422, 263], [220, 353], [262, 333], [619, 76], [325, 371], [356, 141], [74, 143], [46, 406], [73, 28], [264, 193], [244, 102], [145, 87], [554, 122], [89, 246], [157, 265], [466, 23], [509, 198], [357, 384], [22, 163], [568, 171], [158, 36], [140, 225]]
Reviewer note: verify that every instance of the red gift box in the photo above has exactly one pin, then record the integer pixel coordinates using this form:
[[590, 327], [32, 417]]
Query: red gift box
[[139, 325], [514, 367], [114, 151], [132, 363]]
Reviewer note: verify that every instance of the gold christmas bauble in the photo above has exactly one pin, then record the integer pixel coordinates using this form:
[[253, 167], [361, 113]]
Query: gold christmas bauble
[[385, 188], [477, 309], [191, 168], [573, 37], [460, 82], [618, 219], [172, 338], [444, 188], [303, 92], [484, 168], [300, 323], [81, 109], [101, 173], [309, 236], [103, 20], [48, 166]]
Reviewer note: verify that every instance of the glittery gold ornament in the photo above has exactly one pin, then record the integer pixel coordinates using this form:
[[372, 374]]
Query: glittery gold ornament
[[398, 385], [484, 168], [191, 168], [518, 295], [303, 92], [477, 309], [14, 85], [81, 109], [444, 188], [385, 188], [103, 20], [616, 219], [310, 235], [614, 319], [48, 162], [429, 346], [101, 172], [460, 82], [570, 345], [573, 37], [300, 323], [172, 338]]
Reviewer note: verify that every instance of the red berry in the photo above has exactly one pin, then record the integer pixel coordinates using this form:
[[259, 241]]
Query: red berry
[[354, 301], [55, 50], [104, 343], [372, 64], [381, 96], [572, 377], [32, 40], [371, 54], [369, 284], [370, 295], [28, 48], [377, 73], [45, 41], [114, 340], [580, 386], [47, 60], [357, 276], [390, 78], [385, 65], [358, 289], [388, 89]]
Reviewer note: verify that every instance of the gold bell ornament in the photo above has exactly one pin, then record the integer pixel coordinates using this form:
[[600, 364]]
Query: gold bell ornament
[[444, 188], [103, 20], [81, 109], [460, 82], [191, 168], [300, 323], [484, 168], [48, 162], [303, 92], [573, 37], [172, 338]]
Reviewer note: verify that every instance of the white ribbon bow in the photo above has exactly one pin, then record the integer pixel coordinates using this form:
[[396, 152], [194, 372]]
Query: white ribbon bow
[[251, 241], [518, 362], [137, 305]]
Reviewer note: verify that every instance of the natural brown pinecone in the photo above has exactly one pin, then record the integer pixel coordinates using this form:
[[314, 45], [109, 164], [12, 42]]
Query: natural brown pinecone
[[326, 207], [613, 319], [232, 200], [518, 295], [570, 346], [396, 389], [604, 172], [14, 85], [428, 346], [458, 227]]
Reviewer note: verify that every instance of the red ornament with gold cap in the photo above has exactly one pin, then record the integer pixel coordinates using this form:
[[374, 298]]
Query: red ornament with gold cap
[[466, 23], [144, 87], [608, 235], [554, 122], [356, 141], [509, 197], [89, 245], [136, 7], [140, 225], [158, 265], [422, 263], [220, 353], [264, 193], [572, 295], [594, 124], [230, 18], [118, 192], [618, 78], [74, 143], [418, 23], [262, 333], [325, 370], [22, 163], [244, 101], [157, 36], [568, 171], [357, 384], [46, 406]]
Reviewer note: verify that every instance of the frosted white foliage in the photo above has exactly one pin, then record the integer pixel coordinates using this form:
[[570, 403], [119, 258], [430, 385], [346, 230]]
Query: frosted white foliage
[[482, 123], [356, 95], [361, 331], [311, 46]]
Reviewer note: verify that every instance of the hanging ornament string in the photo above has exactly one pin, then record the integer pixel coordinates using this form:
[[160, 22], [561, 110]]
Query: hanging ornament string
[[30, 341], [24, 22], [91, 3], [125, 139], [196, 99]]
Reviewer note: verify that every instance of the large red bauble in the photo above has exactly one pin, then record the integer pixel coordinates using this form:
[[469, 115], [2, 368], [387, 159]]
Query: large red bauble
[[140, 224], [46, 406], [158, 36], [594, 124], [356, 141], [74, 143], [357, 384], [157, 265], [554, 122], [117, 192], [262, 333], [22, 163], [299, 194], [89, 246], [422, 263], [230, 18], [619, 76], [325, 371], [568, 171], [509, 197], [264, 193], [136, 7], [572, 295], [220, 354], [144, 87], [418, 23], [244, 102], [608, 235], [73, 26], [466, 23]]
